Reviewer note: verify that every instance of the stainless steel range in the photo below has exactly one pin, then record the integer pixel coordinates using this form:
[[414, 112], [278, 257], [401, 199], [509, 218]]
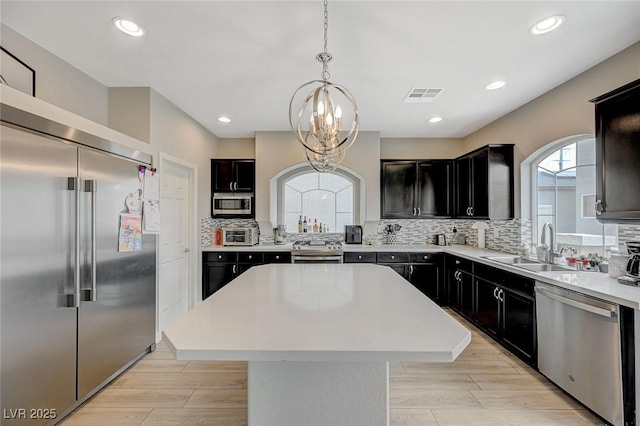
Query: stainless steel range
[[317, 251]]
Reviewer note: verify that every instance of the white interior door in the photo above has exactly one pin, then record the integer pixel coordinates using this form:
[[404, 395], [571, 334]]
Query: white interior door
[[176, 251]]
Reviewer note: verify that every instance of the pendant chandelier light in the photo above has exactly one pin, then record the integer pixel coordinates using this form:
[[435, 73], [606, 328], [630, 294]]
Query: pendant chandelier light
[[325, 120]]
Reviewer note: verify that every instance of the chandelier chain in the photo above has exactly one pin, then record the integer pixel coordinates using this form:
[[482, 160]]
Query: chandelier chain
[[325, 56], [326, 23]]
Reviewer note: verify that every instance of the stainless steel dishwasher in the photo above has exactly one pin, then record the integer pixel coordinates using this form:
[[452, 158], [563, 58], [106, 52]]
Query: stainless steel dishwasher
[[579, 348]]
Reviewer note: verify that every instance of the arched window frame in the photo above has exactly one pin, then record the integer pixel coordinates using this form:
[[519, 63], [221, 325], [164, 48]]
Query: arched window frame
[[278, 182], [529, 182]]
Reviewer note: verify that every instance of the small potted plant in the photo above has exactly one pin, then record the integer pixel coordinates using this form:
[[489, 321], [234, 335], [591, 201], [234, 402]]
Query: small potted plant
[[596, 261]]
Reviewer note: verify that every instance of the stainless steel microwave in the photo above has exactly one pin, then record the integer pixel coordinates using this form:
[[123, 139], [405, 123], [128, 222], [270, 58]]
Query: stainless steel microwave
[[231, 204], [239, 236]]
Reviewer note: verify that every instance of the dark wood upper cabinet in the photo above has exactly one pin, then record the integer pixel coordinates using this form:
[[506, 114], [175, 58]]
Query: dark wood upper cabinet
[[233, 175], [617, 116], [435, 188], [484, 183], [416, 189]]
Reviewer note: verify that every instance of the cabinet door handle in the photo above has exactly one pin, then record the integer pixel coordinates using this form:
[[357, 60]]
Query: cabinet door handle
[[471, 210], [219, 257], [414, 211], [455, 275], [235, 185], [410, 269], [230, 186], [495, 293], [418, 211], [468, 211], [425, 257], [359, 257], [457, 262], [250, 257], [277, 257], [234, 269], [501, 295], [393, 257], [599, 207]]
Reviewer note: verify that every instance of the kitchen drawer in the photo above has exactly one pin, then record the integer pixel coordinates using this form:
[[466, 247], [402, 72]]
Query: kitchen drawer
[[360, 257], [505, 279], [277, 257], [221, 256], [392, 257], [462, 264], [423, 257], [250, 257]]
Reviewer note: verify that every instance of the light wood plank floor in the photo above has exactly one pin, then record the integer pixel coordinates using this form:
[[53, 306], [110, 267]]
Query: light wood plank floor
[[486, 385]]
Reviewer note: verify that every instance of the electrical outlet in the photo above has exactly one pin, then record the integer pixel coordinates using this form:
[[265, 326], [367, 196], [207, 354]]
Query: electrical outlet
[[495, 232]]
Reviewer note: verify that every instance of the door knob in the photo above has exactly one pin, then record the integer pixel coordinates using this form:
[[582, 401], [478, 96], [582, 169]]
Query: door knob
[[187, 250]]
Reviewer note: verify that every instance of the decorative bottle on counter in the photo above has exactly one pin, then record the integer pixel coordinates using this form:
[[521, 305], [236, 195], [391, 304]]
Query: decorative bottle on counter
[[304, 225], [320, 227], [315, 225], [300, 225]]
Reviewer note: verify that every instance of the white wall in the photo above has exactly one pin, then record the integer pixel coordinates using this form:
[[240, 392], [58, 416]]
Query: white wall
[[237, 148], [420, 148], [130, 111], [57, 82]]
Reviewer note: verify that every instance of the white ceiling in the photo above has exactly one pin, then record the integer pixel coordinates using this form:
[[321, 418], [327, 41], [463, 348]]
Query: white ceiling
[[245, 59]]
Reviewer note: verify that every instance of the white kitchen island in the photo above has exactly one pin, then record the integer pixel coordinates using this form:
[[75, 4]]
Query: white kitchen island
[[318, 339]]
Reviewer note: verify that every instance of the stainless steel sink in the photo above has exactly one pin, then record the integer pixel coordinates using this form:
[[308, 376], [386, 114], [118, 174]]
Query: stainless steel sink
[[529, 265], [545, 267], [510, 260]]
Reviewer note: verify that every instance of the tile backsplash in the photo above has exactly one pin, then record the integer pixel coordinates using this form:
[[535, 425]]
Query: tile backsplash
[[503, 235]]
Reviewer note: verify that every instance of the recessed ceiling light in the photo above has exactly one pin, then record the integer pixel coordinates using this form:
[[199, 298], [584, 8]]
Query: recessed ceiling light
[[547, 24], [224, 119], [128, 27], [435, 119], [495, 85]]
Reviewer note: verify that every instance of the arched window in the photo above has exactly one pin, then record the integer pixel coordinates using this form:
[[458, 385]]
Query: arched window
[[564, 187], [330, 198]]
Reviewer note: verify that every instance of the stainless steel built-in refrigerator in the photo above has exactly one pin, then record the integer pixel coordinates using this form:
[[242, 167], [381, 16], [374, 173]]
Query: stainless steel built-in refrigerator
[[74, 311]]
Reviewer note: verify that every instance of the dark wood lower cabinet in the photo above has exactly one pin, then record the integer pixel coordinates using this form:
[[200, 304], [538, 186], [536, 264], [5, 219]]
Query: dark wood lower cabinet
[[217, 276], [519, 330], [220, 268], [467, 296], [506, 311], [500, 303], [488, 313], [426, 278]]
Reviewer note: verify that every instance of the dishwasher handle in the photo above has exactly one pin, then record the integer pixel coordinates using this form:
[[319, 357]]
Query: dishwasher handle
[[577, 304]]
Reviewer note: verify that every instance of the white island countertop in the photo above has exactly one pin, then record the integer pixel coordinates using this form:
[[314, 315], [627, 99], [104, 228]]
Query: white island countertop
[[315, 312]]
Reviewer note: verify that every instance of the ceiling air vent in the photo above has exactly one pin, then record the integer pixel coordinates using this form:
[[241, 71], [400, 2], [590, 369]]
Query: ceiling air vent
[[419, 94]]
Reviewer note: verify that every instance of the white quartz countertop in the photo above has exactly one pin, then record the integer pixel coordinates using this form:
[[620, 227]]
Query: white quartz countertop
[[594, 284], [318, 312]]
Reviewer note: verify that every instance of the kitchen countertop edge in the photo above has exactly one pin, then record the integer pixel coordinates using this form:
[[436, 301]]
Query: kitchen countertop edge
[[595, 284]]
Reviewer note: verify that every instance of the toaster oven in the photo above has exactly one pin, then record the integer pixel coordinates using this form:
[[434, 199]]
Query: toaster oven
[[240, 236]]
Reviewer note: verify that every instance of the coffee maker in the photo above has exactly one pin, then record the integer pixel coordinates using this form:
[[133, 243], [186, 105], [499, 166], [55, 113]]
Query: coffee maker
[[633, 265]]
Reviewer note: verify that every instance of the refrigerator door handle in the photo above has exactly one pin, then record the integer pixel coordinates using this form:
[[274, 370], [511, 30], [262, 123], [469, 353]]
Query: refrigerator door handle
[[91, 186], [73, 299]]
